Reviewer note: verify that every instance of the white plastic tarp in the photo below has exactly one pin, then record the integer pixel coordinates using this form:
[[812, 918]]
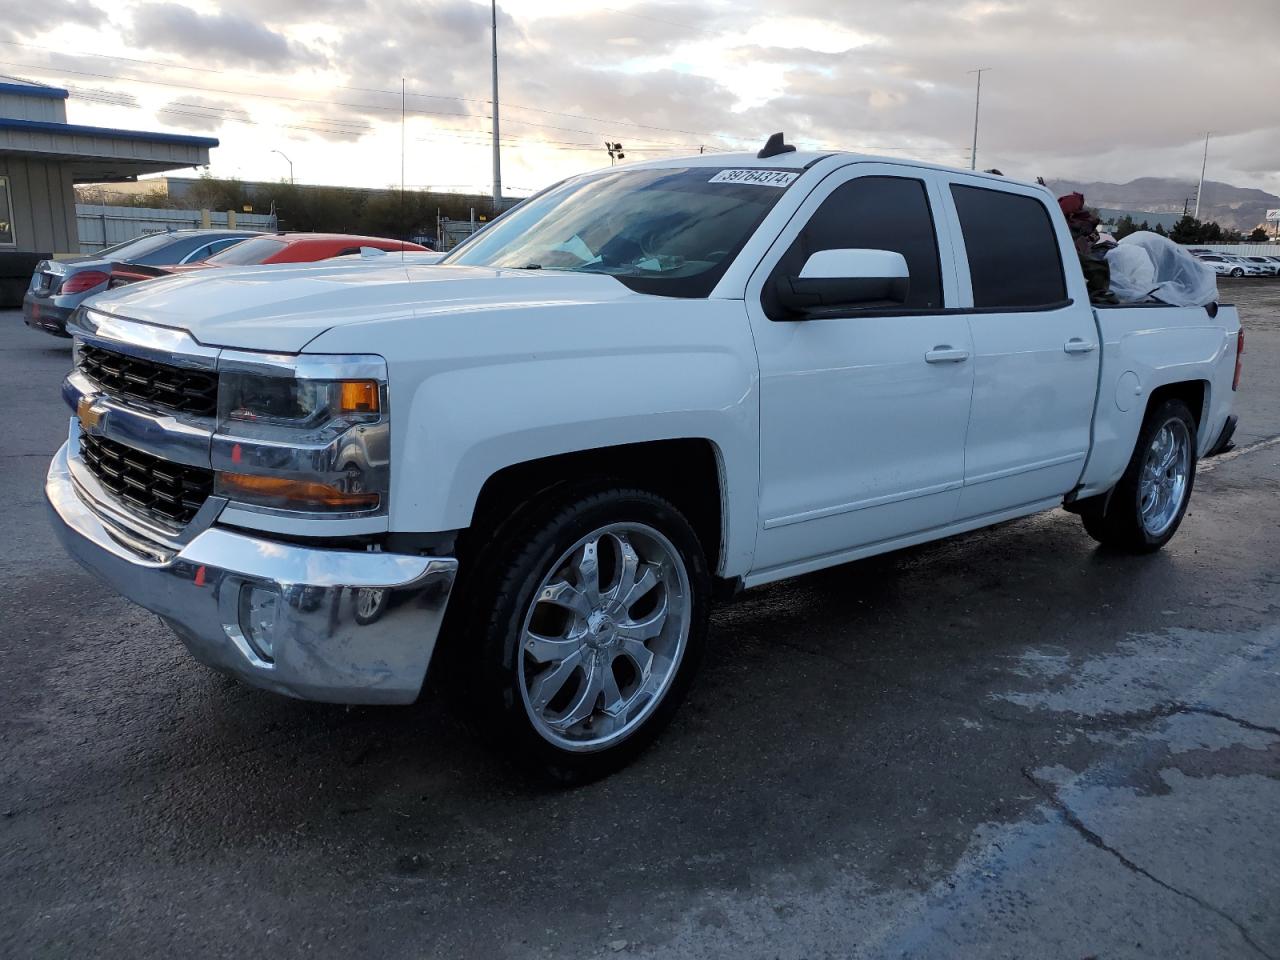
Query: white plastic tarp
[[1147, 266]]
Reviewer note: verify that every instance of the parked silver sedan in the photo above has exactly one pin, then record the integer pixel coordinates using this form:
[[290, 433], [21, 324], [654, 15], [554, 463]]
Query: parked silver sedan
[[59, 286]]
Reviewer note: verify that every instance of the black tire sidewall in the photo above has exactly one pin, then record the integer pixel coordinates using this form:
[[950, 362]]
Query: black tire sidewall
[[506, 584]]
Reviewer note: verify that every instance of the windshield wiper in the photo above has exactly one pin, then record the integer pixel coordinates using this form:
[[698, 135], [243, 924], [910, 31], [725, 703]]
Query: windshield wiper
[[531, 266]]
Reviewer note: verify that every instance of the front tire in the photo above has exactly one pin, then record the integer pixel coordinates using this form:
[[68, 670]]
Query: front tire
[[587, 618], [1237, 273], [1146, 507]]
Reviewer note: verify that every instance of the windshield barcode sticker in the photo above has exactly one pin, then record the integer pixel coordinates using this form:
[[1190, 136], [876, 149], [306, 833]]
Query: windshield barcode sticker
[[760, 178]]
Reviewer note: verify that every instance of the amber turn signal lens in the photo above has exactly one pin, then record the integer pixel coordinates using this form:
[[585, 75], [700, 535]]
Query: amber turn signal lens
[[358, 396], [292, 494]]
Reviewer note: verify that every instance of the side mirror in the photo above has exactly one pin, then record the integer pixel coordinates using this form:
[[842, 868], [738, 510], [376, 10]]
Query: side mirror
[[832, 279]]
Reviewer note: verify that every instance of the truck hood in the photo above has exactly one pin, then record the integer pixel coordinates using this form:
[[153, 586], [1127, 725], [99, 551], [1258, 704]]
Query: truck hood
[[282, 308]]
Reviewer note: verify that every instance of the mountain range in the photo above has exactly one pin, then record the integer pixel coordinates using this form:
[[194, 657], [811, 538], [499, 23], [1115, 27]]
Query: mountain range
[[1242, 208]]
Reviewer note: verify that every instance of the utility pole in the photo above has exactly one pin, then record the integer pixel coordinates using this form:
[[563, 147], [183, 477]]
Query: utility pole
[[977, 105], [1203, 164], [615, 152], [497, 151]]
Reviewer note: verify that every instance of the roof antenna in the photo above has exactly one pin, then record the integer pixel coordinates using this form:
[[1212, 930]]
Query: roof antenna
[[775, 146]]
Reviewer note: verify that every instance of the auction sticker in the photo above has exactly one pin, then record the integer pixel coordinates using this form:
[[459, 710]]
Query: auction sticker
[[759, 178]]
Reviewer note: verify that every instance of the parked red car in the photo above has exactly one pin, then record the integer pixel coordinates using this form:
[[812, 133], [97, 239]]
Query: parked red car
[[294, 248]]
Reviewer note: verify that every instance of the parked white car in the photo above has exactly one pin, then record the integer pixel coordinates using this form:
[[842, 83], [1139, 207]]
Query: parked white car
[[1225, 266], [533, 466], [1267, 266], [375, 255], [1251, 269]]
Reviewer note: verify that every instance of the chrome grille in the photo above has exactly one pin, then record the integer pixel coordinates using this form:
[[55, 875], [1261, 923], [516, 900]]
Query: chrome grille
[[155, 487], [162, 384]]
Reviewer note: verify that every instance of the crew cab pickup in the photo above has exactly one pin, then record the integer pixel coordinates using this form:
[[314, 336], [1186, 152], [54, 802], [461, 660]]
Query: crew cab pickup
[[530, 468]]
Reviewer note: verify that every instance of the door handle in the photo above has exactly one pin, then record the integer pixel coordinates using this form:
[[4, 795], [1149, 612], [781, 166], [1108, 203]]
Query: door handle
[[944, 353], [1076, 345]]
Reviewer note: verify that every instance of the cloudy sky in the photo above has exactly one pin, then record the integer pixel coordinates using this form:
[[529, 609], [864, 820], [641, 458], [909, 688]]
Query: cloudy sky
[[1090, 91]]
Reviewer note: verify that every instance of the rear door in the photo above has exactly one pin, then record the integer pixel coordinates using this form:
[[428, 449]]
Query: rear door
[[862, 412], [1036, 350]]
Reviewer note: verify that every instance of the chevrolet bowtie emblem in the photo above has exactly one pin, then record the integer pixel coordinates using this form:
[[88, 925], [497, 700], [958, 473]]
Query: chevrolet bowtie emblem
[[89, 416]]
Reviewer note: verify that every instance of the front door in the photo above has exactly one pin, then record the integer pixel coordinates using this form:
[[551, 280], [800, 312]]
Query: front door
[[863, 413]]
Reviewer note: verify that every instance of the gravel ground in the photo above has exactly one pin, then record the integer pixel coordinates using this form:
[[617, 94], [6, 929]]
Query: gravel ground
[[1010, 744]]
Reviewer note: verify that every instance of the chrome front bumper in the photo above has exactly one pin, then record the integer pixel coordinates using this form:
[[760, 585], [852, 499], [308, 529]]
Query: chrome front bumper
[[341, 626]]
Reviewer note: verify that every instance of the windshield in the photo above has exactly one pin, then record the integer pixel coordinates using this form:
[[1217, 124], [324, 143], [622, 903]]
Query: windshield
[[671, 231], [249, 252]]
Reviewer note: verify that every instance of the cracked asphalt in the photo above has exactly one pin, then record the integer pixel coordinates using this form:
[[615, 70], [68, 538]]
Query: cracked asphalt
[[1011, 744]]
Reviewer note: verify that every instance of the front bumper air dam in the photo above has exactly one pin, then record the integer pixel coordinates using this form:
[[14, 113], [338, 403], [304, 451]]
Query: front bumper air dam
[[334, 625]]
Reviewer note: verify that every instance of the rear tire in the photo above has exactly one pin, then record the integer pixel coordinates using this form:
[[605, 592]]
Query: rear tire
[[1146, 507], [1237, 273], [582, 626]]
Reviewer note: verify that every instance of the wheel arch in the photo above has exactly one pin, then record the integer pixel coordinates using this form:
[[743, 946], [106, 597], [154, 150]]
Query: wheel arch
[[1194, 393], [688, 471]]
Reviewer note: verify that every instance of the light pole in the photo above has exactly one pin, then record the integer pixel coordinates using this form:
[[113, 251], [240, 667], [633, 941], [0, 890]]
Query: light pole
[[497, 151], [289, 162], [1203, 164], [977, 104]]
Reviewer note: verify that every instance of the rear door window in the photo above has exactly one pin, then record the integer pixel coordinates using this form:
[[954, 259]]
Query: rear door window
[[1014, 258]]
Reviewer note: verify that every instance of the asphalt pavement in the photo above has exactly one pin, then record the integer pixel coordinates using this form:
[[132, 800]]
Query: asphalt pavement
[[1011, 744]]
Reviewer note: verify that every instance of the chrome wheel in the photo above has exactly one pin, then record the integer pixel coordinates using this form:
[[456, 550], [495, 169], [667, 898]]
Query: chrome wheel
[[604, 636], [371, 603], [1162, 485]]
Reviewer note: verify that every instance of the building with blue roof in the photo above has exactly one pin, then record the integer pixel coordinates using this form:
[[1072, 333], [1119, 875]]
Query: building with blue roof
[[42, 158]]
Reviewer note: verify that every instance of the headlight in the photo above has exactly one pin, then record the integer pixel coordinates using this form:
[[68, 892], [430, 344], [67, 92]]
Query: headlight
[[303, 434], [296, 404]]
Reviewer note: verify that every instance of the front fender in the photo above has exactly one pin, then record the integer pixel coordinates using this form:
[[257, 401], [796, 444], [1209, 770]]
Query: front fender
[[513, 414]]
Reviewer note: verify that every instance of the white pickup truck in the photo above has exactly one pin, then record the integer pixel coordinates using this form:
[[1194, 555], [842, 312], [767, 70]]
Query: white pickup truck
[[532, 466]]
